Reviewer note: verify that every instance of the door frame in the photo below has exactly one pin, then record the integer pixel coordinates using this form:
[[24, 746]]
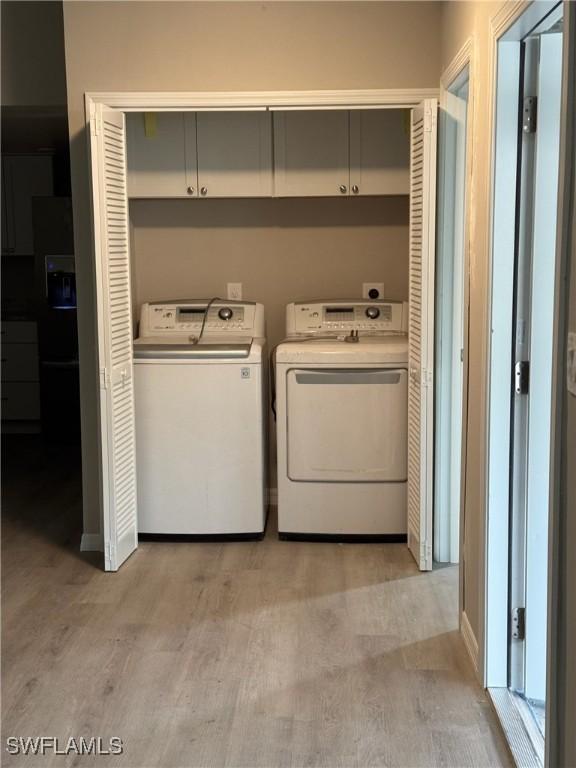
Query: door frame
[[198, 101], [559, 717], [155, 101], [507, 28], [443, 522]]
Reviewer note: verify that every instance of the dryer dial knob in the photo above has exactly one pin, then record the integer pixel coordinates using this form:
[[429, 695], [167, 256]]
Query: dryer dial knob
[[225, 313], [373, 313]]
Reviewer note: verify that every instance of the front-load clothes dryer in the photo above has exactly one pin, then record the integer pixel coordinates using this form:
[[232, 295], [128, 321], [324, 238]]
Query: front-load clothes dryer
[[341, 380], [200, 398]]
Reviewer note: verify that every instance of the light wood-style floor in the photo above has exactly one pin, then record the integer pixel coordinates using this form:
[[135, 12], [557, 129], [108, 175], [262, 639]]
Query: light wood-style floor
[[236, 654]]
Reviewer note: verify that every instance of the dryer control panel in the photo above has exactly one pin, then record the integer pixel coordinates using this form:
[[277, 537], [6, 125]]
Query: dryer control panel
[[342, 316], [220, 317]]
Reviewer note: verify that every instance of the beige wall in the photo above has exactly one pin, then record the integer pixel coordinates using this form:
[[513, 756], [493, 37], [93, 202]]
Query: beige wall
[[222, 46], [33, 68], [280, 250]]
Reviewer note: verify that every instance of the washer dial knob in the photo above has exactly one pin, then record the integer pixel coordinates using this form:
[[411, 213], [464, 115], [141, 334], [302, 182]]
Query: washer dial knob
[[225, 313], [373, 313]]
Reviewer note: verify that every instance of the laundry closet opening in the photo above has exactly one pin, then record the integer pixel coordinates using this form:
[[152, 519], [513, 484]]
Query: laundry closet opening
[[203, 214], [234, 215]]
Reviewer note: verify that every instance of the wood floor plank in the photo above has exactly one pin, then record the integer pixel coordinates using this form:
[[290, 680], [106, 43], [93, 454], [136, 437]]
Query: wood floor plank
[[246, 655]]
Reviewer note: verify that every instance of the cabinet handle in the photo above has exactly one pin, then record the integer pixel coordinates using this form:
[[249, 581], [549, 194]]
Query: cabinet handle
[[343, 188], [204, 191], [355, 189], [190, 190]]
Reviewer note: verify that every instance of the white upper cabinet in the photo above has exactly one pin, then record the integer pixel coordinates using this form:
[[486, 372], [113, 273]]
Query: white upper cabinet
[[204, 154], [161, 154], [234, 154], [311, 153], [317, 153], [379, 152]]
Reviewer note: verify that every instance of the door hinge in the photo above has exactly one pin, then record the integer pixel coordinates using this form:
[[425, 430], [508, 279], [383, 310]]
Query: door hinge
[[429, 120], [427, 377], [104, 378], [425, 553], [529, 114], [110, 554], [518, 624], [96, 120], [522, 377]]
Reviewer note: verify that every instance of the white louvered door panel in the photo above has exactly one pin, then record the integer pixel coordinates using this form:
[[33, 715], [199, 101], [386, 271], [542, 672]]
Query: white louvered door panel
[[109, 192], [421, 331]]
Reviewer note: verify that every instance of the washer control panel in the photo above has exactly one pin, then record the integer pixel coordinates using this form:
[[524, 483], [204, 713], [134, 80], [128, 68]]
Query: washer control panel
[[187, 318], [326, 317]]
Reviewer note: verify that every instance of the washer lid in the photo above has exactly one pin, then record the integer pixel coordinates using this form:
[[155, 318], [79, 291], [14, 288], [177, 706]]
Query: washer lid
[[209, 348], [368, 349]]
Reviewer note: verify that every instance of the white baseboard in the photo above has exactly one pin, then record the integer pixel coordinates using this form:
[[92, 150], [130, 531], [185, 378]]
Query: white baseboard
[[469, 641], [91, 542]]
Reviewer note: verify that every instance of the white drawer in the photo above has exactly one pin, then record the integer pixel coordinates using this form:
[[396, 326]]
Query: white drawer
[[19, 332], [21, 401], [20, 362]]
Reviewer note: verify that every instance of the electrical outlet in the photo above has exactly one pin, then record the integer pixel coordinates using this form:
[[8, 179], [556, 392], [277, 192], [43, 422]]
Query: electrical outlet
[[234, 291], [372, 290]]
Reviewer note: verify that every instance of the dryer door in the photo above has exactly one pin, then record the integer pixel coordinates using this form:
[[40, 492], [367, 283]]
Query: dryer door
[[347, 425]]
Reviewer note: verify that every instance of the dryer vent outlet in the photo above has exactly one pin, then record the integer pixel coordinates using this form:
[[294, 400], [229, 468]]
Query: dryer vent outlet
[[373, 291]]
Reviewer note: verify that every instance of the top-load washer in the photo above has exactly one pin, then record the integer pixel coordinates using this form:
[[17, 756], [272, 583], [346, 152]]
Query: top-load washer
[[200, 398], [342, 419]]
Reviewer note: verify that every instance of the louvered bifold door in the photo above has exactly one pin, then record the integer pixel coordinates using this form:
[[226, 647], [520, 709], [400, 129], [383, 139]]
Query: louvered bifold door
[[108, 156], [421, 331]]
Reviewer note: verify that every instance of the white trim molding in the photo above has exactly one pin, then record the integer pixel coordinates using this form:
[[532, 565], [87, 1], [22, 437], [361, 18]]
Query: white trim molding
[[505, 17], [463, 58], [135, 101], [469, 641], [91, 542], [527, 13]]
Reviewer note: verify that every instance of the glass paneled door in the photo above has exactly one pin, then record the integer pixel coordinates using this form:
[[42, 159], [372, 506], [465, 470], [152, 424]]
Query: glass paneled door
[[541, 66]]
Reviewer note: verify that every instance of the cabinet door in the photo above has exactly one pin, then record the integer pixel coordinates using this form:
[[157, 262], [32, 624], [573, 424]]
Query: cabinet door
[[161, 154], [234, 154], [311, 153], [379, 152], [24, 177]]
